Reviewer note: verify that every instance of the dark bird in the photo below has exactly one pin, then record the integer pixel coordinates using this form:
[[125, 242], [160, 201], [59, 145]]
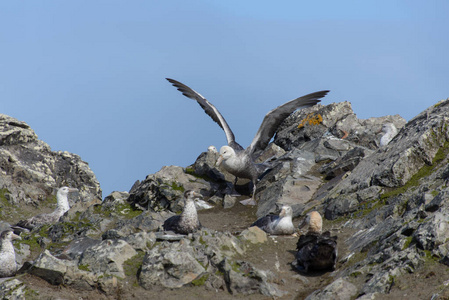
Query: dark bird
[[277, 225], [234, 158], [187, 222], [316, 251], [50, 218], [8, 266]]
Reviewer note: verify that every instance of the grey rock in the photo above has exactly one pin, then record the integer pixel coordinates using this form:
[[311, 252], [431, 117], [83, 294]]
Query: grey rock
[[204, 166], [12, 288], [57, 271], [164, 189], [31, 172], [169, 236], [254, 235], [415, 146], [171, 265], [340, 289], [433, 232], [243, 278], [288, 183], [77, 247], [335, 119], [229, 201], [15, 132], [346, 204], [51, 268], [107, 257], [141, 241]]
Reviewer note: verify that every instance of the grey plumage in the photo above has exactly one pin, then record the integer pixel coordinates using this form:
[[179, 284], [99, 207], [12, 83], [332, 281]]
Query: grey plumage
[[8, 266], [53, 217], [237, 160], [187, 222], [390, 131], [281, 224]]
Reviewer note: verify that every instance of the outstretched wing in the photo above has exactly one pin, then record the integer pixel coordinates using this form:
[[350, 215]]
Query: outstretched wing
[[209, 109], [275, 117]]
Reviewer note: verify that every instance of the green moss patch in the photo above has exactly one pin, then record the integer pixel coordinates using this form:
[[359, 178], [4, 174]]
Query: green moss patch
[[177, 187], [84, 268], [200, 281], [132, 265], [425, 171]]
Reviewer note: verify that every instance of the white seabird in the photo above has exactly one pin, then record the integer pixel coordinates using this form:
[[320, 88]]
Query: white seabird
[[212, 149], [234, 158], [390, 131], [53, 217], [277, 225], [8, 266], [187, 222]]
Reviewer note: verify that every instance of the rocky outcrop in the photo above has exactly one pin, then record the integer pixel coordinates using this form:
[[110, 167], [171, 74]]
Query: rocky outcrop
[[387, 206], [31, 173], [164, 189]]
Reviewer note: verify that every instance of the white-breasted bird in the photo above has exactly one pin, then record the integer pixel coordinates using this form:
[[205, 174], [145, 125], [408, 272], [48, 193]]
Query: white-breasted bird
[[235, 159]]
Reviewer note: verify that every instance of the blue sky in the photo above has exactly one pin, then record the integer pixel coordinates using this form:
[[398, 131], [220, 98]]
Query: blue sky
[[88, 76]]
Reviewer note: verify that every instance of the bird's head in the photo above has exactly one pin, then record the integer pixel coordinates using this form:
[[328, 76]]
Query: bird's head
[[286, 211], [64, 191], [190, 194], [226, 152], [9, 235]]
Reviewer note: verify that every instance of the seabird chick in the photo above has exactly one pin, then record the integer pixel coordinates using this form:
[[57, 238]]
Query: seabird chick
[[187, 222], [390, 131], [53, 217], [316, 251], [8, 266], [313, 221], [277, 225], [234, 158]]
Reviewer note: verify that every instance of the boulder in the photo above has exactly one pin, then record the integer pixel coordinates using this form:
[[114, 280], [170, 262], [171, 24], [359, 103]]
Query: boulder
[[340, 289], [107, 257], [164, 190], [171, 265], [12, 288]]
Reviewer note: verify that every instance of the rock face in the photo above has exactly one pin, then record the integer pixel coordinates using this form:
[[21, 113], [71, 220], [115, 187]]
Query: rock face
[[31, 173], [165, 189], [387, 206]]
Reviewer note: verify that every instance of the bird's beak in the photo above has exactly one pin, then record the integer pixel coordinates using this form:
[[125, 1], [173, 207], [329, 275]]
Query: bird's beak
[[15, 237], [303, 224], [198, 195], [219, 160], [73, 190], [282, 213]]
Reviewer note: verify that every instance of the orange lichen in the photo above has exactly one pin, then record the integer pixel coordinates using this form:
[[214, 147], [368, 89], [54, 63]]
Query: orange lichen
[[312, 119]]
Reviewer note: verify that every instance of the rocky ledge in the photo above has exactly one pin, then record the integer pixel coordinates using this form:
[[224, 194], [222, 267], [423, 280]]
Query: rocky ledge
[[386, 205]]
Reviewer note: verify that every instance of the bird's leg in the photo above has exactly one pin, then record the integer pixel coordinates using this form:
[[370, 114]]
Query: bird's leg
[[234, 192], [252, 200]]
